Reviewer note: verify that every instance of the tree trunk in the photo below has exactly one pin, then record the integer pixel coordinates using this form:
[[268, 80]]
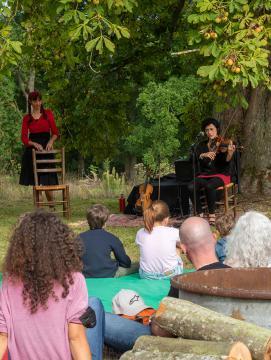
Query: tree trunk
[[129, 165], [27, 88], [31, 80], [81, 166], [190, 321], [154, 354], [254, 127], [233, 350], [256, 160]]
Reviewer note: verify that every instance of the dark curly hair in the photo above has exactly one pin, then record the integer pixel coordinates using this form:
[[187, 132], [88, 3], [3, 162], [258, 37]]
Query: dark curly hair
[[209, 121], [42, 251]]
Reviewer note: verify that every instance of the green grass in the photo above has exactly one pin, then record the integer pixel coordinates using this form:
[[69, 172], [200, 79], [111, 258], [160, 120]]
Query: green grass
[[11, 210]]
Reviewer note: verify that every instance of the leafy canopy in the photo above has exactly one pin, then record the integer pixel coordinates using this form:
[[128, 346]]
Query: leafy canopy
[[93, 23], [233, 37]]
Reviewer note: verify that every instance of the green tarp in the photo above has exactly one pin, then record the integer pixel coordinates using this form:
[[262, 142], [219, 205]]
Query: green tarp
[[152, 291]]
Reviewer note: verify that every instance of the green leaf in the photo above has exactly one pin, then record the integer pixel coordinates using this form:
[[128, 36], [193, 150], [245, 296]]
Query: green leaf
[[91, 44], [124, 32], [262, 62], [100, 45], [109, 45], [205, 71], [6, 12], [253, 81], [206, 50], [215, 50], [193, 19], [16, 45], [109, 3], [241, 34], [75, 33], [118, 35], [205, 5]]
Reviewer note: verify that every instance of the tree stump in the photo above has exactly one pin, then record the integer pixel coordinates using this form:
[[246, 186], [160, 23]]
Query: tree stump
[[190, 321], [233, 351]]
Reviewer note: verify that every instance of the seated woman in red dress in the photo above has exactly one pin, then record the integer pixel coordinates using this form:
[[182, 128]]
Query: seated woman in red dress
[[214, 167]]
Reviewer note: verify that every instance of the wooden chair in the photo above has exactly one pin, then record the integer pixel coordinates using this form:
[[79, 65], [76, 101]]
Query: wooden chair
[[226, 202], [228, 199], [47, 167]]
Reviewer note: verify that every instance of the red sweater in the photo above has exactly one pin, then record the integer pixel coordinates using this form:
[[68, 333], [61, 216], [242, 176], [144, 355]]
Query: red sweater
[[38, 126]]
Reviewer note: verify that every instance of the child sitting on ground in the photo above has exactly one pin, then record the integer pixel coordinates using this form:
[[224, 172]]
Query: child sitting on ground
[[224, 225], [98, 246], [157, 243]]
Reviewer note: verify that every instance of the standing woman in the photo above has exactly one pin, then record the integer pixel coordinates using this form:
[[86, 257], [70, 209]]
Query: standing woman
[[214, 167], [39, 131]]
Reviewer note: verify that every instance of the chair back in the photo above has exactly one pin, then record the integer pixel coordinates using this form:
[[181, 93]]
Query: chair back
[[52, 161]]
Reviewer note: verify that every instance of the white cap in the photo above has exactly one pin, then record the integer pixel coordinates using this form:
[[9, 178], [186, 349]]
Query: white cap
[[128, 302]]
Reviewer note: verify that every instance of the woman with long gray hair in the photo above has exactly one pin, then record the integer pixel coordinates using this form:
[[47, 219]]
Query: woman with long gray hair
[[249, 244]]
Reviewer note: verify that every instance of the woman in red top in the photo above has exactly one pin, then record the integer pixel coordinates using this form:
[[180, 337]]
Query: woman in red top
[[39, 131]]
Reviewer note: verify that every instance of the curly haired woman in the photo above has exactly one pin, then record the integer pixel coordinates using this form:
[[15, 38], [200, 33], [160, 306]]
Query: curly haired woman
[[43, 294]]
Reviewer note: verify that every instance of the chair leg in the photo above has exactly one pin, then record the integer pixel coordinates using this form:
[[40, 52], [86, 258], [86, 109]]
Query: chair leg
[[64, 199], [68, 203], [226, 200], [34, 197]]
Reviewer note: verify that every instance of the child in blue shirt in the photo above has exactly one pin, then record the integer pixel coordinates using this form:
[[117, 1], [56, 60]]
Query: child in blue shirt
[[224, 225]]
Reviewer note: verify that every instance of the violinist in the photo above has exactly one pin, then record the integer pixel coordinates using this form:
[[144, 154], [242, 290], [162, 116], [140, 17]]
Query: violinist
[[214, 162]]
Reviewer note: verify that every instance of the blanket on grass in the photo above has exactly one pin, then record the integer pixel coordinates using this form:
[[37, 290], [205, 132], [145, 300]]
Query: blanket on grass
[[152, 291]]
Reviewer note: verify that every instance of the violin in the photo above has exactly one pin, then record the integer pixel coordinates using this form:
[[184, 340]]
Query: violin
[[144, 201], [221, 144]]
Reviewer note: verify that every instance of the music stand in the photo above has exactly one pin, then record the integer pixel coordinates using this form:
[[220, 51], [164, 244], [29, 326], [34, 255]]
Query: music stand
[[184, 174]]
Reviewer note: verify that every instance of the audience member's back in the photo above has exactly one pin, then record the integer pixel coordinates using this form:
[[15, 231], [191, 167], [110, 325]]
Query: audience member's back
[[157, 243], [44, 293], [198, 243], [249, 244], [98, 244]]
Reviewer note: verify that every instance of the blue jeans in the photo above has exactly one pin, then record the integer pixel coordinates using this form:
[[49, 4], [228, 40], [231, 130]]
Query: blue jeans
[[95, 336], [113, 330], [121, 333], [157, 276]]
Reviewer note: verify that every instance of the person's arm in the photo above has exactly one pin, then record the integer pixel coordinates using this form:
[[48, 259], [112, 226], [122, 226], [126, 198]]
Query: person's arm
[[120, 254], [3, 344], [50, 143], [230, 152], [54, 131], [203, 153], [78, 342], [3, 322]]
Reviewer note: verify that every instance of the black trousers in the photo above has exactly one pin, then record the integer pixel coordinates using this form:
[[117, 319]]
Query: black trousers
[[209, 185]]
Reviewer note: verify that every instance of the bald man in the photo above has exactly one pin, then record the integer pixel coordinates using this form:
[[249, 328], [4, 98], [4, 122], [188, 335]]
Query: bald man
[[197, 242]]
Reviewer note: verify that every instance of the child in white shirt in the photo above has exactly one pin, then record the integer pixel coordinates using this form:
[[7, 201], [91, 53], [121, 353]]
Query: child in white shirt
[[157, 242]]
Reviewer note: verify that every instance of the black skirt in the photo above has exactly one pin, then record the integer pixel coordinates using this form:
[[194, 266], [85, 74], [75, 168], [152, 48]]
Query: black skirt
[[27, 175]]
